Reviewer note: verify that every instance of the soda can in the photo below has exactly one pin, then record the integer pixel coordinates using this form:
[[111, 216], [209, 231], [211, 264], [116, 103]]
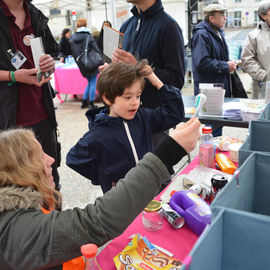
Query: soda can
[[218, 181], [172, 216]]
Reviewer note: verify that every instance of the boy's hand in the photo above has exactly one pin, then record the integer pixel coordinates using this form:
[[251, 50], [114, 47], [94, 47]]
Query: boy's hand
[[187, 134], [152, 77]]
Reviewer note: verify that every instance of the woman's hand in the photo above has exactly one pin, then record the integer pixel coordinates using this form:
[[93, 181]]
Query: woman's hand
[[187, 134], [46, 63]]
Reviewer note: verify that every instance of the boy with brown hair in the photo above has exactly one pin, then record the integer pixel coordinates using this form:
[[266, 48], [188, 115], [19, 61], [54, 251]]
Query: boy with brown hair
[[120, 134]]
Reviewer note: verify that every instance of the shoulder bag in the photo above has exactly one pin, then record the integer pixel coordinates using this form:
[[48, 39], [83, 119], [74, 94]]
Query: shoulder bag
[[89, 60]]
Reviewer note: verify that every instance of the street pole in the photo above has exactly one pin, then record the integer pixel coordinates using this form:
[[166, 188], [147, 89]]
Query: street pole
[[113, 14], [106, 10], [88, 13]]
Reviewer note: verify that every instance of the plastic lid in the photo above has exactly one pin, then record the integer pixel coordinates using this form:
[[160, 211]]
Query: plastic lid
[[206, 130], [89, 250], [153, 206]]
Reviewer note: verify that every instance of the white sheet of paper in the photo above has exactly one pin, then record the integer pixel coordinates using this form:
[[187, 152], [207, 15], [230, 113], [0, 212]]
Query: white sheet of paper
[[112, 39], [37, 50]]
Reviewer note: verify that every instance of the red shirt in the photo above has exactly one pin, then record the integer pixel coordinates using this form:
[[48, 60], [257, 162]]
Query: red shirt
[[30, 108]]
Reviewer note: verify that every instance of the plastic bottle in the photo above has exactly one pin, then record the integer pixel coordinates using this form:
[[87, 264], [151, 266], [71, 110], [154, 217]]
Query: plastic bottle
[[89, 252], [206, 148]]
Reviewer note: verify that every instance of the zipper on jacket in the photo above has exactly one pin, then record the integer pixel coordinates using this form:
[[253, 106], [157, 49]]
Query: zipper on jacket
[[131, 142], [135, 36]]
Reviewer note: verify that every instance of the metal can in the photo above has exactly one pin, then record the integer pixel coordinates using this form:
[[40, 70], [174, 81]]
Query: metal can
[[172, 216], [218, 181]]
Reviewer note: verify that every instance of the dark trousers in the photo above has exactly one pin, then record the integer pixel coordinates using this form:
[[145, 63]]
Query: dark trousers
[[46, 134]]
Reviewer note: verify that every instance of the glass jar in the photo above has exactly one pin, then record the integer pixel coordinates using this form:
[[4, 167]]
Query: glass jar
[[152, 216]]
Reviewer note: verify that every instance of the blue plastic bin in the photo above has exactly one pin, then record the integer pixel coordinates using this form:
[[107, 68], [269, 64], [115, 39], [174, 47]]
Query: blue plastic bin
[[265, 115], [249, 189], [258, 140], [235, 240]]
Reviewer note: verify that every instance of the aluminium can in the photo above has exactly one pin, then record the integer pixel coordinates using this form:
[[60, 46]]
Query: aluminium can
[[175, 219]]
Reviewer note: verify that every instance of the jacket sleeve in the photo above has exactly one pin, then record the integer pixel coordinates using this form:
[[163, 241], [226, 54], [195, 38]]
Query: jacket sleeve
[[250, 63], [201, 55], [170, 113], [173, 56], [83, 156], [49, 240]]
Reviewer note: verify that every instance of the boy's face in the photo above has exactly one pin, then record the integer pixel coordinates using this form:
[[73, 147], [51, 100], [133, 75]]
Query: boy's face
[[127, 105]]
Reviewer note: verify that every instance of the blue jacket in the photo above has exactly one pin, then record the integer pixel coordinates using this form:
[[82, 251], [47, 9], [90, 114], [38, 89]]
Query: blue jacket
[[159, 39], [209, 57], [104, 153]]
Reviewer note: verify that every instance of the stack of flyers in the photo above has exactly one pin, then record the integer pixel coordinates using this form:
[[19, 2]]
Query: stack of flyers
[[214, 99]]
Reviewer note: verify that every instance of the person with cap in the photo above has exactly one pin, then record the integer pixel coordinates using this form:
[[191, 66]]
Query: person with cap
[[256, 52], [210, 54]]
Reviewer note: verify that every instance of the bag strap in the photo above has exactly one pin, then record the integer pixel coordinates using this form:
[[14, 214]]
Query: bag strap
[[86, 44]]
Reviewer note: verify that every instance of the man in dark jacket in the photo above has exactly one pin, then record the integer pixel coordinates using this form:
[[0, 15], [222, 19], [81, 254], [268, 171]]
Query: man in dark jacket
[[24, 102], [152, 34], [210, 55]]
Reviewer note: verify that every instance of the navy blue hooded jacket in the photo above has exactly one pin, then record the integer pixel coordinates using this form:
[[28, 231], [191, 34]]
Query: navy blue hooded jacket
[[209, 57], [156, 36], [104, 153]]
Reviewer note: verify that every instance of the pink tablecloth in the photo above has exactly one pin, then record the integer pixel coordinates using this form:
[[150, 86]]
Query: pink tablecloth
[[69, 80], [179, 242]]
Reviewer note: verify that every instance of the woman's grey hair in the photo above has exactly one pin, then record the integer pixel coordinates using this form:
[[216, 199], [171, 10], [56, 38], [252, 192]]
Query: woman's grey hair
[[262, 10]]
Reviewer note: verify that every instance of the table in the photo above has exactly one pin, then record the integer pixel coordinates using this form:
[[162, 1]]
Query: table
[[69, 80], [214, 120], [179, 242]]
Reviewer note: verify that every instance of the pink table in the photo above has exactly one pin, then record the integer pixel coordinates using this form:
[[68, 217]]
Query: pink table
[[179, 242], [69, 80]]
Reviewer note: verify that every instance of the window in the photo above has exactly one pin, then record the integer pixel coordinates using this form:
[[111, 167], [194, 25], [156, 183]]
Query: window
[[237, 18], [256, 18]]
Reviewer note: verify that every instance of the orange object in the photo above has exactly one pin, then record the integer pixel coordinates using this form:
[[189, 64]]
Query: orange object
[[225, 164]]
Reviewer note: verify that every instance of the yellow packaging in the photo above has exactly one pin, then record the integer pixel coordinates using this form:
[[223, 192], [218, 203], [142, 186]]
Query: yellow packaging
[[225, 164], [140, 254]]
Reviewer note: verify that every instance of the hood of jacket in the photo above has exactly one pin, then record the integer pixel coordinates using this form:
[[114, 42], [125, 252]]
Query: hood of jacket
[[207, 26], [150, 12], [100, 116], [14, 197], [79, 37], [263, 26]]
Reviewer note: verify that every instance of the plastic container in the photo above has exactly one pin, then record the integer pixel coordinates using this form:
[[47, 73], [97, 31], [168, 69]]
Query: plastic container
[[152, 216], [89, 252], [192, 208], [225, 164], [207, 149], [234, 151]]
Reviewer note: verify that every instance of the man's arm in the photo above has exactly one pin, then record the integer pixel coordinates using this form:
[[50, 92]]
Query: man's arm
[[202, 58], [172, 50], [250, 63]]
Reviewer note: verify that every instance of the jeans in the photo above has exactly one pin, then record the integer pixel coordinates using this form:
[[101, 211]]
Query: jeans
[[90, 90]]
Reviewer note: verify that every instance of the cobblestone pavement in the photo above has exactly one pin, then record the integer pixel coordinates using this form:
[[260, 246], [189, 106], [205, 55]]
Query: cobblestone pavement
[[78, 191]]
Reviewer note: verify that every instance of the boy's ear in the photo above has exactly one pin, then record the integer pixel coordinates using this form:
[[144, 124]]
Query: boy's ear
[[106, 100]]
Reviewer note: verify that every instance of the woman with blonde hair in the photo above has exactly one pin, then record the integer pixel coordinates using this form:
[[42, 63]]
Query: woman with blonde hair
[[35, 236], [78, 44]]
